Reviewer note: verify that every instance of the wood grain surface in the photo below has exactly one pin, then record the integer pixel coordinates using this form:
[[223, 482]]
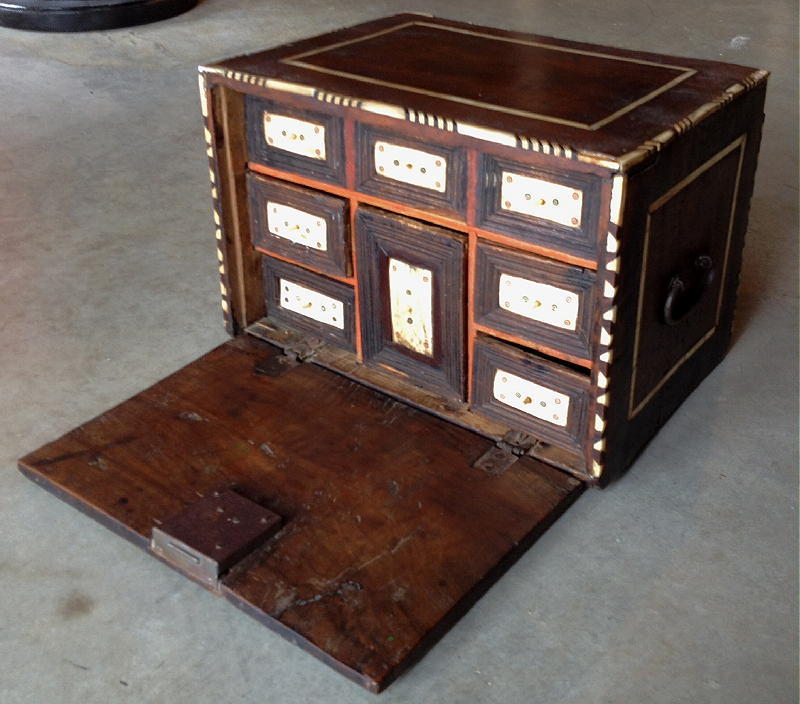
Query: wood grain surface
[[389, 532]]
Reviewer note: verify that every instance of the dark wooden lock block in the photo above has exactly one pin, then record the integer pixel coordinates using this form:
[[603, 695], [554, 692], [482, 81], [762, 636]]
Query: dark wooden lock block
[[211, 535], [299, 224], [532, 246]]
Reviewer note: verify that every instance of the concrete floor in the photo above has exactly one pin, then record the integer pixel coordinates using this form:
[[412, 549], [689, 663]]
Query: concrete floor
[[678, 584]]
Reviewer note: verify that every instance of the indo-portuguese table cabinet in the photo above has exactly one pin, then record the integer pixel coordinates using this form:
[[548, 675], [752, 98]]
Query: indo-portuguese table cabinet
[[467, 272]]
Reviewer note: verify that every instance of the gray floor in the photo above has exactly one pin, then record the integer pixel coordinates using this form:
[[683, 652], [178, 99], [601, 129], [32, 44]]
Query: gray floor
[[679, 584]]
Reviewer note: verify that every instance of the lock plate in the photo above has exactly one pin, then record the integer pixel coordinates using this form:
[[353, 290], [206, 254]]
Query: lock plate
[[538, 301], [296, 136], [531, 398], [542, 199], [412, 166]]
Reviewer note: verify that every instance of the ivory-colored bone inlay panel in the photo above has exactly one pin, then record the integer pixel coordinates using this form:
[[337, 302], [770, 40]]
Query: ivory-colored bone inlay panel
[[296, 136], [543, 199], [534, 399], [537, 301], [411, 166], [312, 304], [297, 226], [411, 305]]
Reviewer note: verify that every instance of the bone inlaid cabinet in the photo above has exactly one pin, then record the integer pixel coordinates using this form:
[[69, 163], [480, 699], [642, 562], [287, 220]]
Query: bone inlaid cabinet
[[467, 272]]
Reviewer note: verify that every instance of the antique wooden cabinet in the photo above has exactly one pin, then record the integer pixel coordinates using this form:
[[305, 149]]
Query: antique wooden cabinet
[[467, 272]]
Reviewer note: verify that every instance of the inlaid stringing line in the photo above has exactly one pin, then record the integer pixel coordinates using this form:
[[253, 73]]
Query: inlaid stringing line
[[294, 60], [621, 163]]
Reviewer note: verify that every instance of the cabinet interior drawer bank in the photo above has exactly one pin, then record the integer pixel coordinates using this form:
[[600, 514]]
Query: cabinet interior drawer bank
[[467, 272]]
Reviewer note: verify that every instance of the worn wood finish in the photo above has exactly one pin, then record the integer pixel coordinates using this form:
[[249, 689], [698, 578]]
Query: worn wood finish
[[407, 390], [362, 499]]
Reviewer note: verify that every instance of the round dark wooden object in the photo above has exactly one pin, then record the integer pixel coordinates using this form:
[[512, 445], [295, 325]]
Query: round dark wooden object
[[86, 15]]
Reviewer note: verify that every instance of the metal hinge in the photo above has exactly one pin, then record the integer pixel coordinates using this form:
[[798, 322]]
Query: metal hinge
[[293, 354], [498, 458], [304, 350]]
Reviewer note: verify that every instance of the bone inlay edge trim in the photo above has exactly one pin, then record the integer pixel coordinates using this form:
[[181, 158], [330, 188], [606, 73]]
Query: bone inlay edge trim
[[411, 306], [531, 398]]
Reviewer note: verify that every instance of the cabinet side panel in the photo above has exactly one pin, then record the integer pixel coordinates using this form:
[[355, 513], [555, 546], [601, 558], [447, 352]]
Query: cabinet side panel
[[685, 222], [239, 262]]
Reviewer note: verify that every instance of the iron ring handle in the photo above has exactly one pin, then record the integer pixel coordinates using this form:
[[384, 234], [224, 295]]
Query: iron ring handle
[[683, 294]]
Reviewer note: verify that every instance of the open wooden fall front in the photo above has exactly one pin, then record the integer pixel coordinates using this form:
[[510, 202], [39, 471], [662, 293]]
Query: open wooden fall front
[[466, 272], [388, 533]]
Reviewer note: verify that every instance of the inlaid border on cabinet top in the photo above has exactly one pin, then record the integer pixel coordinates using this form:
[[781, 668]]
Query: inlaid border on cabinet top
[[682, 73]]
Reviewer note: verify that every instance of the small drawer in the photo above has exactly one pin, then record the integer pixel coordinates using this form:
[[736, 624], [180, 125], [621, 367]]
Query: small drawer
[[558, 210], [411, 171], [305, 142], [531, 394], [411, 292], [309, 303], [300, 224], [535, 299]]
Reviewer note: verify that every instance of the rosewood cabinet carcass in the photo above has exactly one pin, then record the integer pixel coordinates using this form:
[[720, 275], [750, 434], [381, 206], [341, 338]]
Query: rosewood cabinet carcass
[[467, 272]]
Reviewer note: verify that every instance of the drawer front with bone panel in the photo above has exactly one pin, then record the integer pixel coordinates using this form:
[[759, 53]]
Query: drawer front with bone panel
[[304, 301], [555, 209], [412, 171], [535, 300], [300, 224], [306, 142]]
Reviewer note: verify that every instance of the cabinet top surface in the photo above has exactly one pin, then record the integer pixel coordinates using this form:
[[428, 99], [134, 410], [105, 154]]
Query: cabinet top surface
[[592, 98]]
